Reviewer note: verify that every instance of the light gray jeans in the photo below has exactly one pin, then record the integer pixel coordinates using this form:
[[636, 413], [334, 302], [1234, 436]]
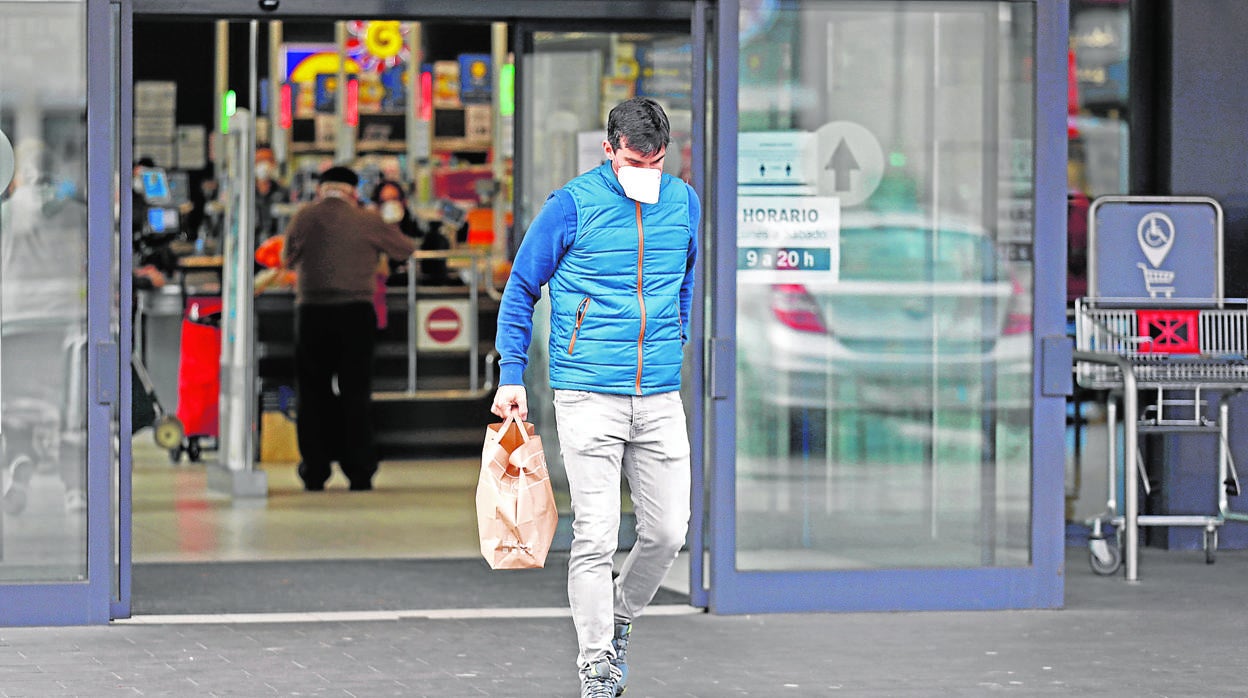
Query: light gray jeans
[[601, 435]]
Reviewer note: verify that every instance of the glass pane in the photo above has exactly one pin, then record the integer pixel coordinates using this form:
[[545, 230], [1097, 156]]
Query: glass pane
[[884, 285], [43, 235], [570, 81]]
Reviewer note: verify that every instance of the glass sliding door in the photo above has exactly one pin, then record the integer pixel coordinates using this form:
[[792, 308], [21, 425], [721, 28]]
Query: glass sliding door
[[54, 345], [568, 79], [884, 195]]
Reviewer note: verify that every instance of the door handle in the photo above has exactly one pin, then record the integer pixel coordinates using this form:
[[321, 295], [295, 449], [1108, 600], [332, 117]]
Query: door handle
[[1056, 357], [8, 163], [723, 368], [107, 372]]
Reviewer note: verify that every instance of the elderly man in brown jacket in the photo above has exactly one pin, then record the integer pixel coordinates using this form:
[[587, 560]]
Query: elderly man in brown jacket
[[333, 245]]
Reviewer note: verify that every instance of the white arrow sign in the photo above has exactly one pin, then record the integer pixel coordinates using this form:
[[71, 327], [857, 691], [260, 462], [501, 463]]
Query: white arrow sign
[[851, 162]]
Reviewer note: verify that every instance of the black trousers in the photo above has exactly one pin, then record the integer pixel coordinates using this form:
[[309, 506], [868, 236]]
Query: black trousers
[[335, 341]]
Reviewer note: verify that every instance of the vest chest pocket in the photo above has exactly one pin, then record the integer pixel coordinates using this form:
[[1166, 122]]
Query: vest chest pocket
[[580, 317]]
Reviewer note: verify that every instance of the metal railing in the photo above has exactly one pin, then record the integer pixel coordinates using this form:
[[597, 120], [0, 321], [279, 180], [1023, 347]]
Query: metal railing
[[1215, 356], [476, 389]]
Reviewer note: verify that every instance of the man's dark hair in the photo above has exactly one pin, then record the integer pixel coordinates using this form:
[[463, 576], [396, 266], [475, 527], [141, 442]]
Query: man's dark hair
[[641, 123]]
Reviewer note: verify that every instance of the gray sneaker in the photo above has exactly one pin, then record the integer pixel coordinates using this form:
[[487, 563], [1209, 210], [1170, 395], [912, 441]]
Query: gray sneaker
[[620, 643], [600, 680]]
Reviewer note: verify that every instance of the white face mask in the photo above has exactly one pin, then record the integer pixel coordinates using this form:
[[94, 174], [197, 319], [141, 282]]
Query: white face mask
[[391, 211], [640, 183], [137, 184], [263, 170]]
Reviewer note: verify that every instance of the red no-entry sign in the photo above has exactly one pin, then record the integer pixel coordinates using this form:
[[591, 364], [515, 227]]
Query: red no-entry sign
[[443, 324]]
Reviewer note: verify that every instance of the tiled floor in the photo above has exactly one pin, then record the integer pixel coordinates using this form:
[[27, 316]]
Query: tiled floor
[[419, 509], [1173, 634]]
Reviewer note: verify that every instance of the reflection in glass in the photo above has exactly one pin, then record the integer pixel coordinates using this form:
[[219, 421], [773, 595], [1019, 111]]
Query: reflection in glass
[[1098, 127], [43, 234], [884, 285]]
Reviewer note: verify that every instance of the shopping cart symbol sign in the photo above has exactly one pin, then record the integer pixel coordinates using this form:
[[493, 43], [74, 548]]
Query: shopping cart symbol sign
[[1158, 282], [1169, 331]]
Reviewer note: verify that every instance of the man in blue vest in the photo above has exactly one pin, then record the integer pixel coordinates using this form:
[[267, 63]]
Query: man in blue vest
[[616, 248]]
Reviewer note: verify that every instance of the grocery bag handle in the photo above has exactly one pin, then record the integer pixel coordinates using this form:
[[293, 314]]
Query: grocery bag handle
[[507, 424]]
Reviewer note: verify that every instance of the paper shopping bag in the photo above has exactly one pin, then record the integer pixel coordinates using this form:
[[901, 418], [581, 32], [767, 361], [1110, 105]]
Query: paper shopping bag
[[516, 515]]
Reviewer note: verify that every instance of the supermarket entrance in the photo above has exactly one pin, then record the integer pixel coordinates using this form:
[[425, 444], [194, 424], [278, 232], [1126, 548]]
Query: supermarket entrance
[[476, 117], [799, 503]]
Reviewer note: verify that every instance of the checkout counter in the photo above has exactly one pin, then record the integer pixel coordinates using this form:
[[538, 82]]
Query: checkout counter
[[196, 271]]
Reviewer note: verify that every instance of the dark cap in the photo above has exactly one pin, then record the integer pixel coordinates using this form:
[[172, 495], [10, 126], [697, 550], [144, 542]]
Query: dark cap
[[343, 175]]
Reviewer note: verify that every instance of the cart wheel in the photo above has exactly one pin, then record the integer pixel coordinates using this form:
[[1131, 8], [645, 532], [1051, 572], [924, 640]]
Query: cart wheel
[[1211, 545], [192, 450], [175, 455], [168, 433], [1105, 557]]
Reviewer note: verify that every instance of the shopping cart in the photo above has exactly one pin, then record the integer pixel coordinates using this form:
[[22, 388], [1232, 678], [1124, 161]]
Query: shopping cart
[[1178, 349]]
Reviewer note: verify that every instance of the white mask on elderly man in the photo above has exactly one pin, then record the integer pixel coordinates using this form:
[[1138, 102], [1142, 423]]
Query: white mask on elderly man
[[640, 183], [391, 211]]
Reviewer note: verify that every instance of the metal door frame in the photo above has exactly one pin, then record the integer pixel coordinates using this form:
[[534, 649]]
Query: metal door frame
[[101, 85], [1037, 585], [123, 71], [88, 601], [616, 11]]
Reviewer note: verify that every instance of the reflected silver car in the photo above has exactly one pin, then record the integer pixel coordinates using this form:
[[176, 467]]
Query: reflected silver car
[[921, 318]]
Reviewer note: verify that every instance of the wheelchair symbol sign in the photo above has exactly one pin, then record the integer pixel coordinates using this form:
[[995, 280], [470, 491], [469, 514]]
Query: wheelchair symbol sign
[[1156, 235], [1155, 247]]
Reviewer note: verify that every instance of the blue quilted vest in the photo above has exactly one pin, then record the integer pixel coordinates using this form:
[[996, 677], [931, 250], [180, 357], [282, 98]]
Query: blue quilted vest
[[615, 323]]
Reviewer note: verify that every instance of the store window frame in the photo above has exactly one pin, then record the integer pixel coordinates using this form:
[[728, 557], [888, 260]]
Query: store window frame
[[596, 13], [1036, 585]]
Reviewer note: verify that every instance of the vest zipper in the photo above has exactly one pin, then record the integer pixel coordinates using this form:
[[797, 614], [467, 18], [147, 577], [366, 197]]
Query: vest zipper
[[580, 317], [641, 299]]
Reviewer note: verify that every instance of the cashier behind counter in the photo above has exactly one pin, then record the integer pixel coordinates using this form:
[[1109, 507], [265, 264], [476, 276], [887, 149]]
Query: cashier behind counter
[[433, 232]]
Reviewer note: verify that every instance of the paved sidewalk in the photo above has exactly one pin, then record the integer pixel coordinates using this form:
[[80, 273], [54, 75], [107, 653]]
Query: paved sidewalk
[[1179, 632]]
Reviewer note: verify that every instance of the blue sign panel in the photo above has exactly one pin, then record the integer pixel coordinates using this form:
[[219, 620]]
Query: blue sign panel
[[1155, 247]]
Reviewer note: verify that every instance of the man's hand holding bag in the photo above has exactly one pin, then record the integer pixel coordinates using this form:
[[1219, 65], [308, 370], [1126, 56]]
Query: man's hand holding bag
[[516, 514]]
